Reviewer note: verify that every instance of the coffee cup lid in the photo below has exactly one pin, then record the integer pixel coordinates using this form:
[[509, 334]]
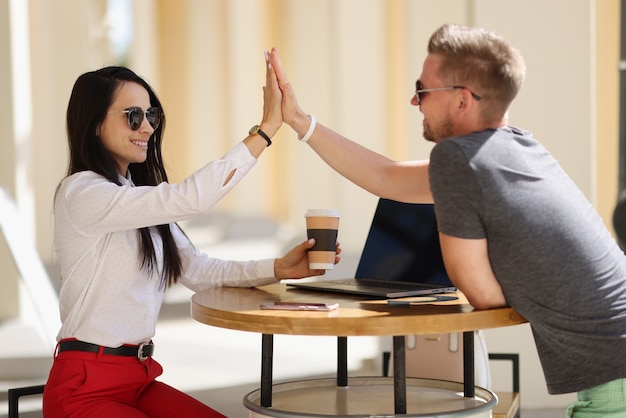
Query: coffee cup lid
[[334, 213]]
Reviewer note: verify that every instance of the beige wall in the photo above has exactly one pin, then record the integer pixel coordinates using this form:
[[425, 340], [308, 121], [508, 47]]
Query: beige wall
[[606, 35], [353, 64], [361, 86]]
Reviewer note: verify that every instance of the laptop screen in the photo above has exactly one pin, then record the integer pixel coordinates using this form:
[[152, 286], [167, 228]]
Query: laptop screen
[[403, 245]]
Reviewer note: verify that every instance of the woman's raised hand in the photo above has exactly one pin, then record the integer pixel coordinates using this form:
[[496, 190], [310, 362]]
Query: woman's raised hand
[[291, 112], [272, 101]]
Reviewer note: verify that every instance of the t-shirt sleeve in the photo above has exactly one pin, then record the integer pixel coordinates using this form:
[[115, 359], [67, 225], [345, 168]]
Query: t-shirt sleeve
[[455, 191]]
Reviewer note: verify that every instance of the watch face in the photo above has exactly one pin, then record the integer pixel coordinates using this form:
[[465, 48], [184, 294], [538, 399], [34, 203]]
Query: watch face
[[253, 130]]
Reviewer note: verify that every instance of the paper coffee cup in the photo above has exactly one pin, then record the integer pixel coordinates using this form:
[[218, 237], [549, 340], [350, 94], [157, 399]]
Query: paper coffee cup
[[323, 225]]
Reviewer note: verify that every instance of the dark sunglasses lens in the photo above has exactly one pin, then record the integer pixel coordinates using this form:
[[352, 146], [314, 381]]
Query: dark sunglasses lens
[[135, 118], [154, 117], [418, 87]]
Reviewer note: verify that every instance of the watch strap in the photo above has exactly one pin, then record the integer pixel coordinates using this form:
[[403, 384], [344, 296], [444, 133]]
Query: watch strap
[[256, 129]]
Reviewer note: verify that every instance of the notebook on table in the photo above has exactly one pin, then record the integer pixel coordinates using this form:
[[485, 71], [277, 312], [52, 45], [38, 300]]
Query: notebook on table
[[401, 256]]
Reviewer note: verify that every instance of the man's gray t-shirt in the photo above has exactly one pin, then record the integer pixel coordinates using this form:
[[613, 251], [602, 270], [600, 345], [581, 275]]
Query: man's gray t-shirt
[[553, 256]]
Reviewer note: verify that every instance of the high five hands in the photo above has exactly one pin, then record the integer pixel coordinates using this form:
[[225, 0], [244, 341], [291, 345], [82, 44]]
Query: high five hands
[[293, 115]]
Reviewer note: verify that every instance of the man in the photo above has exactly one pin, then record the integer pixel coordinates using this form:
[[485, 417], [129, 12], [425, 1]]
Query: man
[[514, 229]]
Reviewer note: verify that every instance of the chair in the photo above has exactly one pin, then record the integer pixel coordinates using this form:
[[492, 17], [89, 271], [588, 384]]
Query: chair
[[16, 393], [36, 283], [508, 402]]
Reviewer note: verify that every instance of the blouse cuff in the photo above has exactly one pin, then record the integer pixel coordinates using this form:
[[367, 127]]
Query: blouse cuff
[[265, 271]]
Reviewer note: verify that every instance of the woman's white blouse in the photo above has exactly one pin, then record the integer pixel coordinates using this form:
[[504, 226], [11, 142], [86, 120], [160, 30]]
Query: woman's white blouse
[[106, 298]]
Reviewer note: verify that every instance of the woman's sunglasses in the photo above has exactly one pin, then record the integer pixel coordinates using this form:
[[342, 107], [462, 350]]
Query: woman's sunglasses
[[135, 116]]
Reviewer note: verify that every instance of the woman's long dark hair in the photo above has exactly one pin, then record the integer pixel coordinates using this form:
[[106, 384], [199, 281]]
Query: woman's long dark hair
[[89, 102]]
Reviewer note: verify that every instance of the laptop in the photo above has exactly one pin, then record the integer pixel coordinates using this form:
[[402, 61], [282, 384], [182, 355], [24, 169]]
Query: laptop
[[401, 256]]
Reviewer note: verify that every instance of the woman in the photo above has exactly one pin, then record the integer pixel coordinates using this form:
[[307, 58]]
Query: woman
[[118, 246]]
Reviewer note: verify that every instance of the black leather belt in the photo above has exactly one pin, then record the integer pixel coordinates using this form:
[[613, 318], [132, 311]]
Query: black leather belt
[[141, 351]]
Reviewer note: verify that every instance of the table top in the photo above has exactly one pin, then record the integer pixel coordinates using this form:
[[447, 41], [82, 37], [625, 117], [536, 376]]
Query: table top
[[239, 309]]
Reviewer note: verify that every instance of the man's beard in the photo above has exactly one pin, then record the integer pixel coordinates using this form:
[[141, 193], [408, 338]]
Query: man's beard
[[443, 130]]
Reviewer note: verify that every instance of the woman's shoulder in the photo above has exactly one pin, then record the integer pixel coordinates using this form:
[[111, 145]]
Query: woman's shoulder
[[81, 177], [81, 180]]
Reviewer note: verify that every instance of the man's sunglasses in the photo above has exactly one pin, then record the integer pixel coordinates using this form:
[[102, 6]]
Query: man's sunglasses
[[421, 92], [135, 116]]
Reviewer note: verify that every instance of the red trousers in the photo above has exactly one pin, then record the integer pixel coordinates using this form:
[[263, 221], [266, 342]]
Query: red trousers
[[95, 385]]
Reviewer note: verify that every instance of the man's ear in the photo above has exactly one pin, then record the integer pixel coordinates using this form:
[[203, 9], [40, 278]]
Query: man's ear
[[465, 102]]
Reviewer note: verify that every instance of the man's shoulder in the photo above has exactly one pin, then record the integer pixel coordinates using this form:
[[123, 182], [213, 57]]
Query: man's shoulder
[[467, 144]]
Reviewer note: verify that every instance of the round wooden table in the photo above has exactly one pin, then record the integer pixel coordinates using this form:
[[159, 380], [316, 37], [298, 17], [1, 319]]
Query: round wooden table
[[239, 309]]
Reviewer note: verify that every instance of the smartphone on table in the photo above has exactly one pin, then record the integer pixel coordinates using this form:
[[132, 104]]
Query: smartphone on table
[[300, 306]]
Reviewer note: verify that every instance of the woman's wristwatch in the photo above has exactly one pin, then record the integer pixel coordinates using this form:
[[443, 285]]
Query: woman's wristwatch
[[256, 129]]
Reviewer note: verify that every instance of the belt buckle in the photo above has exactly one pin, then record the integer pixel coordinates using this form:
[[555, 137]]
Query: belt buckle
[[140, 354]]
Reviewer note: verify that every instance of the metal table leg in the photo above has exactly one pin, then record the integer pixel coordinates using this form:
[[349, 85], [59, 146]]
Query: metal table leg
[[342, 361], [267, 354], [468, 365], [399, 374]]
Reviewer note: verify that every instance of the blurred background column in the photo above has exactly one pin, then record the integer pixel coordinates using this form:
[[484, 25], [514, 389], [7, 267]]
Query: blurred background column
[[9, 302]]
